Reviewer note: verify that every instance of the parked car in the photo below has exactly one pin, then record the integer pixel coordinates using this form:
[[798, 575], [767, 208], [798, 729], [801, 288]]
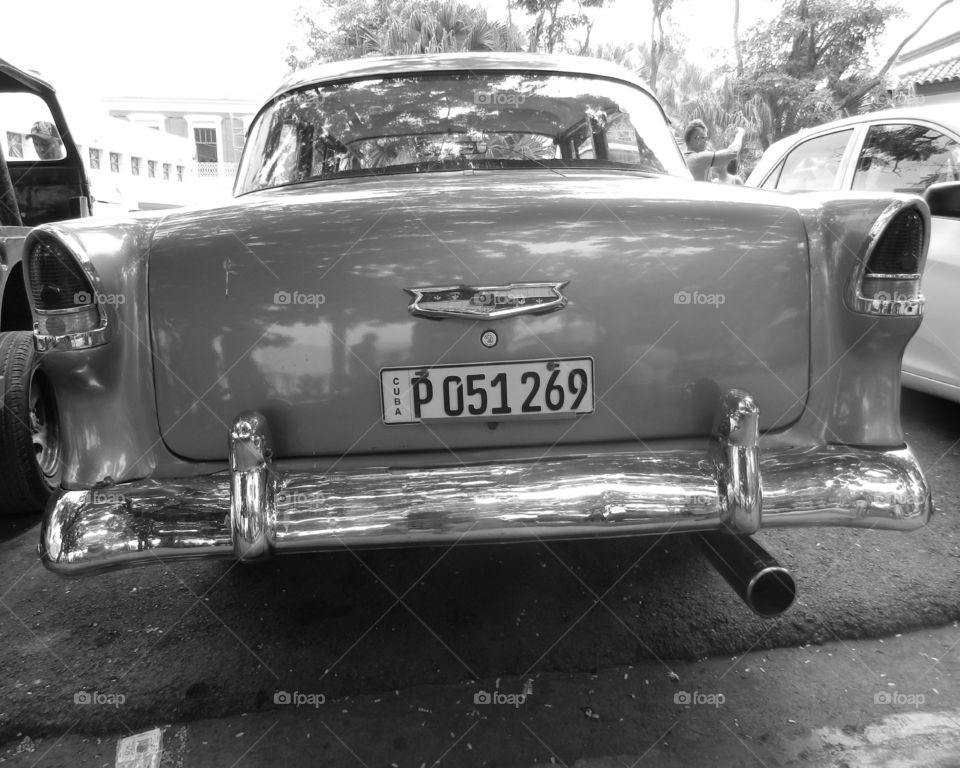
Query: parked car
[[911, 149], [42, 179], [476, 298]]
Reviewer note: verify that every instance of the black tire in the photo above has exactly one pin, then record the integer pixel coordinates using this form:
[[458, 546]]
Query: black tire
[[30, 466]]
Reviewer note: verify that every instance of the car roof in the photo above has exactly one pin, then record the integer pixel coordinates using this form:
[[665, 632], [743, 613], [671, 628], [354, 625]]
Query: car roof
[[374, 66], [944, 113], [947, 114], [12, 78]]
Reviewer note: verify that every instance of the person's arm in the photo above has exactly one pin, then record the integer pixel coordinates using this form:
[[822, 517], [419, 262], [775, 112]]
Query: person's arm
[[724, 156], [700, 163], [737, 144]]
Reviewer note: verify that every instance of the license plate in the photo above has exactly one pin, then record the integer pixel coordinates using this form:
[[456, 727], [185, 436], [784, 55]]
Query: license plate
[[489, 391]]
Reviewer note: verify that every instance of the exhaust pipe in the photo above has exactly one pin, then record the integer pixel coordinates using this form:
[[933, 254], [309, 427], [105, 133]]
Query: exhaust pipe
[[762, 583]]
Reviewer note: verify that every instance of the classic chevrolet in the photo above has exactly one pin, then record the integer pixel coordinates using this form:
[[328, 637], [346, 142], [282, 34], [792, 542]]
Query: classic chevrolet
[[476, 298]]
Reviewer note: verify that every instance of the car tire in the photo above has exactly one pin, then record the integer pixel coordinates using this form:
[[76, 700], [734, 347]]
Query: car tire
[[30, 466]]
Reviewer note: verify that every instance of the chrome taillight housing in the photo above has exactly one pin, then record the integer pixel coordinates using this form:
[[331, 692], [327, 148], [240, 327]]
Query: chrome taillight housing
[[887, 278], [64, 293]]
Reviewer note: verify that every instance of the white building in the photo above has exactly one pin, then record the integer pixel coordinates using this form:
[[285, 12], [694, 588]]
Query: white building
[[133, 167], [930, 63], [214, 128]]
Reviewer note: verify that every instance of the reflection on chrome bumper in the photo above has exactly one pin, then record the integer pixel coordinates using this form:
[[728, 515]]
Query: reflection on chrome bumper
[[256, 508]]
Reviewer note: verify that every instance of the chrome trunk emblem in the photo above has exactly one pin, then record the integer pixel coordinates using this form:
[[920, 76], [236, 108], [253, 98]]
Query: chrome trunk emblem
[[489, 302]]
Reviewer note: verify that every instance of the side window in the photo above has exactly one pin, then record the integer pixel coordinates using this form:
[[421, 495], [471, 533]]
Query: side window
[[27, 128], [815, 164], [906, 158]]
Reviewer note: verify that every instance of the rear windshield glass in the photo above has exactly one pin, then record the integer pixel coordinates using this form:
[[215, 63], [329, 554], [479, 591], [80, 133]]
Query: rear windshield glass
[[450, 121]]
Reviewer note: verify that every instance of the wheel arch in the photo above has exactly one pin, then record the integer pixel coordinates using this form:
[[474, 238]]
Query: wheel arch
[[14, 304]]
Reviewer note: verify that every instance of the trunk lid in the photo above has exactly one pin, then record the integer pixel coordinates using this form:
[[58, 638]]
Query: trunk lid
[[292, 302]]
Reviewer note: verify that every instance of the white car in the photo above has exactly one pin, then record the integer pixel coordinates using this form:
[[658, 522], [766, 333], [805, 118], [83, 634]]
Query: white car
[[897, 150]]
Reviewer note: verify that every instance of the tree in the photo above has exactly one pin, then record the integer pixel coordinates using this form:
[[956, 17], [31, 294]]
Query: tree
[[878, 79], [552, 22], [344, 29], [657, 40], [738, 51], [633, 56], [809, 59], [434, 26], [339, 29]]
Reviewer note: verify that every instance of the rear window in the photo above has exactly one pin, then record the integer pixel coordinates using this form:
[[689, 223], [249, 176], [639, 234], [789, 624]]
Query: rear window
[[450, 121]]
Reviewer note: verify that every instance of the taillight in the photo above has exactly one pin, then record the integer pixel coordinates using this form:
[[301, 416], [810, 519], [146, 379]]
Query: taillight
[[66, 310], [899, 249], [887, 281]]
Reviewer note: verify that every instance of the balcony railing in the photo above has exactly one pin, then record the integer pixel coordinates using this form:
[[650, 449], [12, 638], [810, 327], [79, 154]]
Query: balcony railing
[[216, 170]]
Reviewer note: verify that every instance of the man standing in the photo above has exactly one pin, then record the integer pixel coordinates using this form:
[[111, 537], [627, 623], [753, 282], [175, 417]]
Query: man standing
[[46, 140], [700, 159]]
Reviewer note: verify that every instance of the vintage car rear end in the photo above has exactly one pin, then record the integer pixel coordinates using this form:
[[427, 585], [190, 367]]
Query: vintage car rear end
[[410, 329]]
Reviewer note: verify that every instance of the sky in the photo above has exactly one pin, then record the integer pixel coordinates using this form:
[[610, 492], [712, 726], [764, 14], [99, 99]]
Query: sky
[[217, 48]]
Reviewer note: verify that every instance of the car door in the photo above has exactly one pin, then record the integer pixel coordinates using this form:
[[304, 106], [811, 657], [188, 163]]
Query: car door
[[909, 156]]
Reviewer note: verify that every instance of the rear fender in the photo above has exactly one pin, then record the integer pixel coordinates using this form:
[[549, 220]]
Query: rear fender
[[854, 389], [105, 393]]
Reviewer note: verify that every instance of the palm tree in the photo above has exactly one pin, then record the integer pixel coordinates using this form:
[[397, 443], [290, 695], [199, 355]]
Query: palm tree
[[633, 56], [435, 26]]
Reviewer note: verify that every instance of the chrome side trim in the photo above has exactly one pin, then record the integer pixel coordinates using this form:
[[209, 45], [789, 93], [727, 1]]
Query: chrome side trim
[[70, 341], [614, 494]]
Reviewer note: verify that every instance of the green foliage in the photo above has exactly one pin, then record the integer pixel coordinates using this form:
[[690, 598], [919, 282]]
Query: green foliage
[[633, 56], [337, 30], [554, 20], [346, 29], [433, 26], [808, 60]]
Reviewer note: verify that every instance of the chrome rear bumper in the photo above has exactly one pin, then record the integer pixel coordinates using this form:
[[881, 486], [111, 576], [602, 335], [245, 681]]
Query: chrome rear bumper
[[256, 509]]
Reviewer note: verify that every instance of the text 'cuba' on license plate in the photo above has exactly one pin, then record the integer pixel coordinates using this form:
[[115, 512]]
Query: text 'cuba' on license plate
[[490, 391]]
